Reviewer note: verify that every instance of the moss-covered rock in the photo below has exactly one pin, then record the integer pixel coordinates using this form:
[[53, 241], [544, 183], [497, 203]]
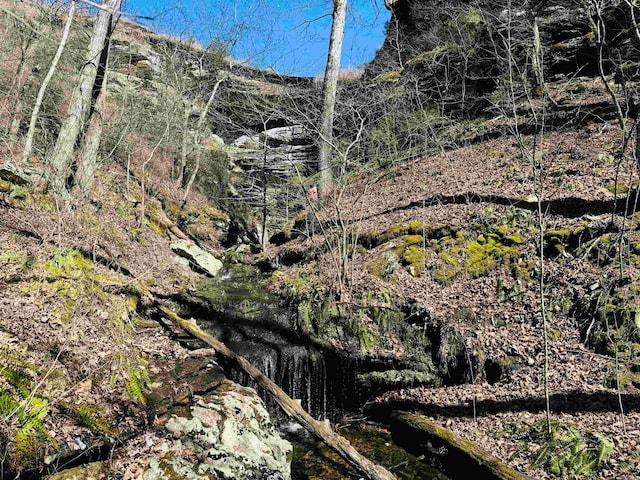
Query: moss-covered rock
[[394, 379], [92, 471]]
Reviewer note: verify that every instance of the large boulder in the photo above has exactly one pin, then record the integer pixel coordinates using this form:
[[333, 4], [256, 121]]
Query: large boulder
[[199, 258], [228, 435]]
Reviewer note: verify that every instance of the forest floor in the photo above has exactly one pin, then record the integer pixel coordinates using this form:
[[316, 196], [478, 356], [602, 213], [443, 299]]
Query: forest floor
[[493, 301], [79, 357]]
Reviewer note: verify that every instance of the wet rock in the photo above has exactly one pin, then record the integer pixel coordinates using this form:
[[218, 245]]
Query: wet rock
[[198, 257], [228, 435], [174, 390], [398, 379]]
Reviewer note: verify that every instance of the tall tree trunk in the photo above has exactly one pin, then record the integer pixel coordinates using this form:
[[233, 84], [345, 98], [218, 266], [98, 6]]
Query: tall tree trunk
[[88, 161], [20, 81], [184, 144], [28, 145], [61, 157], [331, 73]]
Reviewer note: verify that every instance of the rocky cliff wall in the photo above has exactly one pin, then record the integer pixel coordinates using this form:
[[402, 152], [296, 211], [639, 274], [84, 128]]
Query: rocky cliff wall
[[455, 50]]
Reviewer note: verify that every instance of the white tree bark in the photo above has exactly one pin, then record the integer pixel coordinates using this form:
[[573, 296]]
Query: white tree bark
[[61, 157], [331, 73], [28, 146], [88, 162]]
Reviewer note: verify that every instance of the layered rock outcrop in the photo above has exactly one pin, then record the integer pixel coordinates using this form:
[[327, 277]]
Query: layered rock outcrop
[[456, 50]]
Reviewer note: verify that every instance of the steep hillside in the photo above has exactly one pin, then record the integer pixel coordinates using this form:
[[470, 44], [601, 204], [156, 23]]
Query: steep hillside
[[89, 372], [446, 248], [476, 257]]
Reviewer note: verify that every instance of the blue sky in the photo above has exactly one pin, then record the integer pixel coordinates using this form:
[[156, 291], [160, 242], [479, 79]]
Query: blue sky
[[291, 36]]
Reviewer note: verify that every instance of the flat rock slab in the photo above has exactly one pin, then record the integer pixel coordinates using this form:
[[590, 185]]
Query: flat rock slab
[[204, 261]]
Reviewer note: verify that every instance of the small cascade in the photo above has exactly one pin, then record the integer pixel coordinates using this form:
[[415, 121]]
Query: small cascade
[[301, 372], [257, 326]]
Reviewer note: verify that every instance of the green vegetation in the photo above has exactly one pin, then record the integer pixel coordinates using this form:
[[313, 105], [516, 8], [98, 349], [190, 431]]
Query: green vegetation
[[566, 452], [493, 248], [22, 412]]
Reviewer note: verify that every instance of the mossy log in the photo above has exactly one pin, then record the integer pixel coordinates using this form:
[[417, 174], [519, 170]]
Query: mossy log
[[420, 435], [292, 408]]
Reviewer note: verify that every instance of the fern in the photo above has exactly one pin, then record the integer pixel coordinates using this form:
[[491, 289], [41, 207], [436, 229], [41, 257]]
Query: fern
[[137, 383], [567, 452], [8, 405], [89, 418]]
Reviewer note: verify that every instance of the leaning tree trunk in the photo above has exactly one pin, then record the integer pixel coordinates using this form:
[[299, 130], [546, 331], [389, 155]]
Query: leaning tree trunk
[[331, 73], [81, 98], [292, 408], [88, 161], [28, 145]]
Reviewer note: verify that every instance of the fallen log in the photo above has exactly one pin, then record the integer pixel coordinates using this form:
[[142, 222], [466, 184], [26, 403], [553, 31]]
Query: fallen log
[[459, 456], [292, 408]]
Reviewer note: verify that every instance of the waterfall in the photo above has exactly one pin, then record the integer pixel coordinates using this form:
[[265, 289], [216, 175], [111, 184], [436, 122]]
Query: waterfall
[[261, 330]]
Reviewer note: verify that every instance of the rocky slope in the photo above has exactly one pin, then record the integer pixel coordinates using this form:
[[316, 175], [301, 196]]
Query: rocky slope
[[88, 372], [451, 242]]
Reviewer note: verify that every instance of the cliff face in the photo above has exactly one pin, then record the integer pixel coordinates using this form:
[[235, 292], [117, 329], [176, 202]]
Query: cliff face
[[456, 50]]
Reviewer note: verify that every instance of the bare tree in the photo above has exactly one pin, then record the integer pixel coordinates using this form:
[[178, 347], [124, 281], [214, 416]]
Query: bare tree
[[84, 95], [198, 139], [330, 90], [28, 146]]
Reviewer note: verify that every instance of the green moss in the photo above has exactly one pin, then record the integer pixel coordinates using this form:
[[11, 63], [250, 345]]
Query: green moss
[[415, 259], [158, 228], [558, 241], [409, 240], [399, 379], [481, 258], [366, 338], [388, 77], [45, 202], [20, 197], [68, 263], [562, 234], [19, 193], [621, 188], [383, 266], [451, 266]]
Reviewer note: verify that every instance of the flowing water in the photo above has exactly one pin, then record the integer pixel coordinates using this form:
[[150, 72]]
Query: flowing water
[[256, 325]]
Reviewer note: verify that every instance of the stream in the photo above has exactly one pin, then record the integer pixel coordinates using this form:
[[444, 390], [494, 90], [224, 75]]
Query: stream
[[255, 324]]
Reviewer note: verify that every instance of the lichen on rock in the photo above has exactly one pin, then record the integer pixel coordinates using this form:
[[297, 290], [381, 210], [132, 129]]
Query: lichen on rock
[[229, 435]]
